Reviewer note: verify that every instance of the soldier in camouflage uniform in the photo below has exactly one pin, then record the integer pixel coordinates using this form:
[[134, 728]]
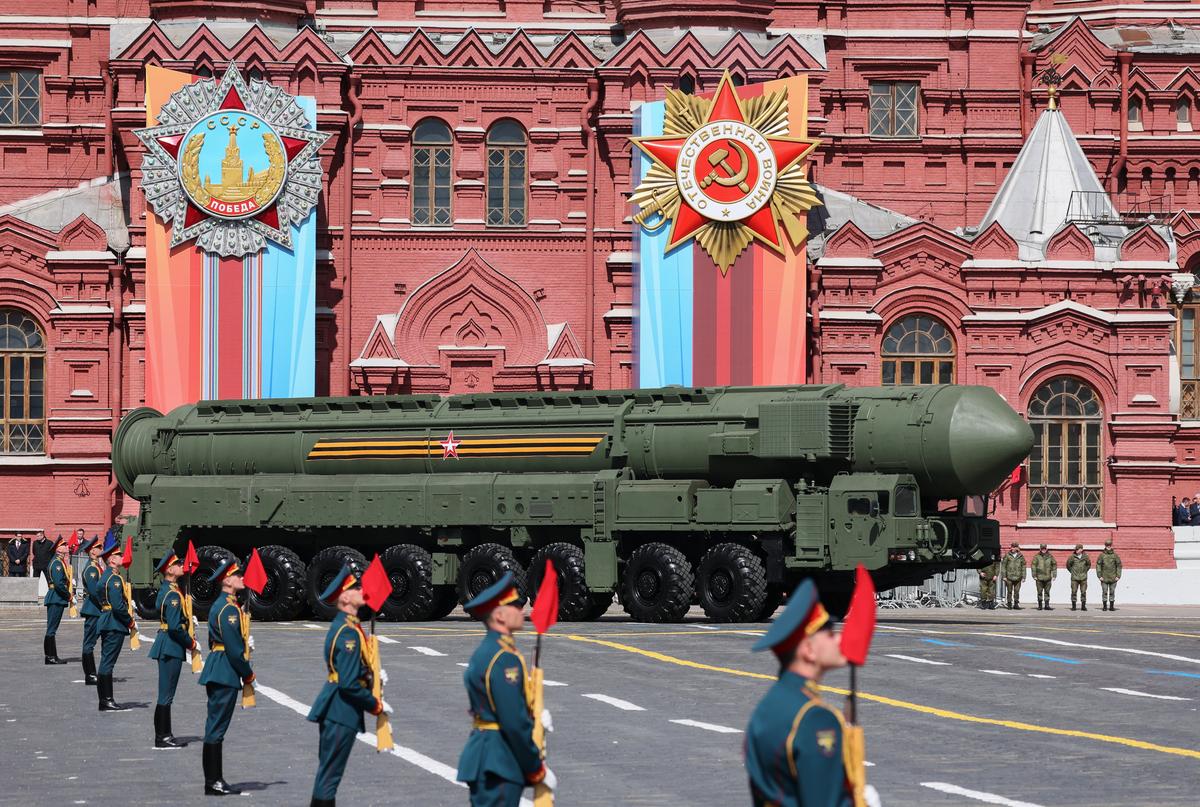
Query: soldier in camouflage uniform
[[1078, 565], [1108, 569], [1045, 568], [987, 585], [1013, 569]]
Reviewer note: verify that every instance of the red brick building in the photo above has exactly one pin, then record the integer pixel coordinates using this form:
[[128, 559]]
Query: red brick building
[[475, 232]]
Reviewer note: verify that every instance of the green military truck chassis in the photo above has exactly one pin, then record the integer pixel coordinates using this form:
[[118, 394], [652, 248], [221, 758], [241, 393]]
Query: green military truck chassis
[[725, 497]]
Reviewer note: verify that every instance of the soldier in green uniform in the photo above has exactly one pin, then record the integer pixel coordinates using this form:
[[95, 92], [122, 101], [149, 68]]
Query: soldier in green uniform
[[226, 671], [92, 599], [116, 623], [794, 742], [987, 585], [1045, 568], [500, 758], [1013, 570], [60, 593], [347, 692], [1108, 569], [1078, 565], [171, 645]]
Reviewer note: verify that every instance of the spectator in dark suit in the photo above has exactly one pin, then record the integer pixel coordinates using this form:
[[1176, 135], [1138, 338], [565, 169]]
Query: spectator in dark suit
[[1183, 513], [43, 553], [18, 557], [1194, 511]]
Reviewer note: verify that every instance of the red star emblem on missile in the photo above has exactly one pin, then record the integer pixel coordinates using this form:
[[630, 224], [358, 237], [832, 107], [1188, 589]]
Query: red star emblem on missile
[[450, 446]]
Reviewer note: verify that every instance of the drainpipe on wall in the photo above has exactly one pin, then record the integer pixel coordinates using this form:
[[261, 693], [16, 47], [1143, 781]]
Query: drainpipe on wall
[[589, 239], [110, 135], [1124, 58], [116, 351], [348, 222], [1021, 59]]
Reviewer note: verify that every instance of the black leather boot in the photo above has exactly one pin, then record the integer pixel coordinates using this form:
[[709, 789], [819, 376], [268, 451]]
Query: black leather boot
[[162, 729], [107, 704], [1083, 604], [89, 669], [214, 777], [50, 647], [322, 803]]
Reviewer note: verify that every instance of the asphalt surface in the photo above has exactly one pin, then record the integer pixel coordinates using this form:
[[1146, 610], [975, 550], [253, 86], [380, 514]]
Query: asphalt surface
[[961, 707]]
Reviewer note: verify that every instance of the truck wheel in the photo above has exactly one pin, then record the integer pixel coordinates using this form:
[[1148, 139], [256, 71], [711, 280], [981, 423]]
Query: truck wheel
[[144, 600], [574, 600], [445, 600], [732, 584], [599, 606], [771, 604], [204, 593], [282, 597], [410, 570], [484, 565], [323, 567], [657, 584]]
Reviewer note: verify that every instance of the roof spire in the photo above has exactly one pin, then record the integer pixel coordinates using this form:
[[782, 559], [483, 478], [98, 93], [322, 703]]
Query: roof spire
[[1052, 79]]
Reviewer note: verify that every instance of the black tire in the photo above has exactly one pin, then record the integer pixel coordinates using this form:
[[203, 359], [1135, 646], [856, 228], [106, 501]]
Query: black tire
[[445, 600], [732, 583], [775, 595], [574, 599], [483, 565], [323, 567], [204, 593], [144, 600], [410, 569], [657, 584], [283, 597], [599, 606]]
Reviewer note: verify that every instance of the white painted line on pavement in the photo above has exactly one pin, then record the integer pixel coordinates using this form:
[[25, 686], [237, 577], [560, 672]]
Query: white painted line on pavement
[[407, 754], [1062, 643], [918, 660], [143, 637], [868, 764], [311, 625], [617, 702], [1121, 691], [387, 640], [977, 795], [427, 651], [78, 681], [462, 663], [997, 672], [549, 683], [1040, 675], [708, 726], [705, 627]]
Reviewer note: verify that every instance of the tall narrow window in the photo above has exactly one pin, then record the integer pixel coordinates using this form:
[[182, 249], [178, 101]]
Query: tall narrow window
[[1064, 466], [1188, 349], [431, 173], [918, 350], [894, 108], [506, 175], [20, 98], [22, 384], [1134, 114], [1183, 114]]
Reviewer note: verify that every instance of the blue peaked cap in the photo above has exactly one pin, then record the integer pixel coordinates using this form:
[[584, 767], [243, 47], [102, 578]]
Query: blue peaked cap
[[88, 543], [502, 592], [803, 612], [345, 579], [111, 544], [224, 570], [167, 560]]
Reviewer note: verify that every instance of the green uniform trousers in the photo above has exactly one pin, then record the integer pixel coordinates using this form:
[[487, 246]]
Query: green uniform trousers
[[332, 755], [1080, 587], [495, 792], [221, 700], [110, 648], [1043, 589], [987, 590], [91, 633], [53, 619], [1108, 591], [1014, 592], [168, 679]]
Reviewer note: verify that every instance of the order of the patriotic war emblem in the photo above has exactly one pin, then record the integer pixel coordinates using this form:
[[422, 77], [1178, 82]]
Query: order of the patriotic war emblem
[[231, 165]]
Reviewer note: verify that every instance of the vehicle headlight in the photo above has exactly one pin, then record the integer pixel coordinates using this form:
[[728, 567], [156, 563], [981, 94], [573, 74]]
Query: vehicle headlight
[[912, 554]]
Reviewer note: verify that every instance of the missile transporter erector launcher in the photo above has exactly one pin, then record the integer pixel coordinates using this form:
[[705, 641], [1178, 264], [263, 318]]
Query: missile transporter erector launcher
[[724, 496]]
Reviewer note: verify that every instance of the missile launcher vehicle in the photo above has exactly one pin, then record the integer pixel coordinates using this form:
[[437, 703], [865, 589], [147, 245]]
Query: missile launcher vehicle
[[724, 497]]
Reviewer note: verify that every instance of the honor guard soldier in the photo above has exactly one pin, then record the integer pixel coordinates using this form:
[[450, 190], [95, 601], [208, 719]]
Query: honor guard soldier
[[171, 645], [1045, 568], [987, 585], [1078, 565], [226, 671], [500, 758], [1108, 569], [347, 692], [60, 594], [1013, 570], [93, 598], [116, 623]]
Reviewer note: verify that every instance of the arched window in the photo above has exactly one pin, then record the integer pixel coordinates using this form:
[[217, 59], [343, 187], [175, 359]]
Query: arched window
[[22, 384], [918, 350], [1134, 114], [1183, 114], [431, 173], [506, 175], [1064, 466]]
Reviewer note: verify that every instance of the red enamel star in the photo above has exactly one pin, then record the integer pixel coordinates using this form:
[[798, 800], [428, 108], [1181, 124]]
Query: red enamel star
[[450, 447]]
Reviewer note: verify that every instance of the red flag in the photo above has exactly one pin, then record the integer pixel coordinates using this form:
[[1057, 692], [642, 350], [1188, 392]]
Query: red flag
[[127, 555], [860, 620], [255, 577], [191, 561], [376, 585], [1015, 477], [545, 607], [73, 542]]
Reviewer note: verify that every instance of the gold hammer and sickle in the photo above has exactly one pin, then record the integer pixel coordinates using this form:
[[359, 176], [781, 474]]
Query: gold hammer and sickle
[[720, 159]]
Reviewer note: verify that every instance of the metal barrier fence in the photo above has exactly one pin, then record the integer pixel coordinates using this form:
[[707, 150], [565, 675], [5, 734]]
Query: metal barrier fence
[[950, 590]]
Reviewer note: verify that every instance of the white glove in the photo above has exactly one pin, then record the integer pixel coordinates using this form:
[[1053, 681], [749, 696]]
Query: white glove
[[387, 708], [383, 676], [195, 623], [547, 720], [250, 641], [551, 781], [871, 796]]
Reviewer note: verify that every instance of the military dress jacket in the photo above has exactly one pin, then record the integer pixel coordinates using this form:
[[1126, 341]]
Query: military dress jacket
[[173, 639], [93, 596], [59, 582], [794, 748], [114, 610], [347, 691], [227, 663], [1013, 566], [501, 740], [1045, 567], [1108, 566]]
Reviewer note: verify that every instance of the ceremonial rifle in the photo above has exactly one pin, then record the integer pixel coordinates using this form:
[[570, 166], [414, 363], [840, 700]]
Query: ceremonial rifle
[[135, 642], [376, 588], [856, 641], [191, 562], [544, 615], [255, 579]]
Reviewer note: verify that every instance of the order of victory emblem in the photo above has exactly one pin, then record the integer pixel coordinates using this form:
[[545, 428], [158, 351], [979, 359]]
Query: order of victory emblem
[[231, 165], [726, 173]]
